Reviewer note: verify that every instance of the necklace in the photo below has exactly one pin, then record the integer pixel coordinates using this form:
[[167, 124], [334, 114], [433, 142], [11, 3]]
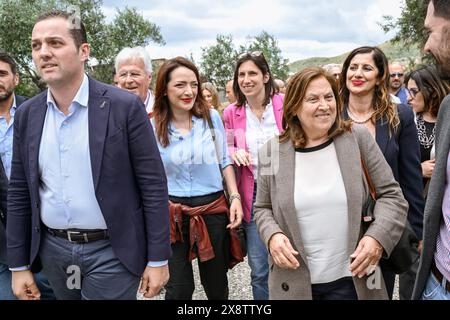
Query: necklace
[[355, 120], [425, 140]]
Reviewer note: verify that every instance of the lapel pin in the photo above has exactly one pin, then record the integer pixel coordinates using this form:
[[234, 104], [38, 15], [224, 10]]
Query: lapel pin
[[103, 105]]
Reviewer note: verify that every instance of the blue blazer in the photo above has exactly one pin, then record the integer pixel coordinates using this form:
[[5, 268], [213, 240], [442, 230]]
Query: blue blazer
[[128, 174], [402, 152], [3, 194]]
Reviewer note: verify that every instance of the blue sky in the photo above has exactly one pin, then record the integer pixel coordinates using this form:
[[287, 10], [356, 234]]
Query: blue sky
[[304, 28]]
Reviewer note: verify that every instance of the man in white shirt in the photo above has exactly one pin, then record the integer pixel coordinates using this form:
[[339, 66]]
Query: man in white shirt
[[134, 74]]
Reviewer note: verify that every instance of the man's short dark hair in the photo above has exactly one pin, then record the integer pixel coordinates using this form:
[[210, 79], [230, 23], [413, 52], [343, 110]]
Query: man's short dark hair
[[78, 31], [9, 60], [442, 8]]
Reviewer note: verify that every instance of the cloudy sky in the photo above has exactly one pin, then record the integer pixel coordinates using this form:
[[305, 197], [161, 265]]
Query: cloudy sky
[[304, 28]]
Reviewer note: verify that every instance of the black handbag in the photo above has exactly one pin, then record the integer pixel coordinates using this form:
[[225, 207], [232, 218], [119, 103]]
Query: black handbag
[[405, 253], [239, 231]]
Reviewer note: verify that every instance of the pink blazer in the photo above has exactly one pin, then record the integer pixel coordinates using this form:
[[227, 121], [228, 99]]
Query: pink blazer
[[235, 126]]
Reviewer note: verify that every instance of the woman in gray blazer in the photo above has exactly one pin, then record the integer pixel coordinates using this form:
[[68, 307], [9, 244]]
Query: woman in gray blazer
[[310, 194]]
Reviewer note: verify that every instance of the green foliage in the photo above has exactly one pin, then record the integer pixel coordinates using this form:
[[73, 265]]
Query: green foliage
[[409, 26], [268, 45], [219, 60], [129, 28]]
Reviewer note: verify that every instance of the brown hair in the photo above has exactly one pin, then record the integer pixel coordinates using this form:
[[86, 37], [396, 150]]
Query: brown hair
[[162, 112], [6, 58], [215, 95], [442, 8], [384, 108], [293, 101], [260, 61], [77, 31], [433, 88]]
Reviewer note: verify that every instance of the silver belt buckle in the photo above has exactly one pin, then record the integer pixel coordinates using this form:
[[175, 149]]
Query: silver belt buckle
[[69, 233]]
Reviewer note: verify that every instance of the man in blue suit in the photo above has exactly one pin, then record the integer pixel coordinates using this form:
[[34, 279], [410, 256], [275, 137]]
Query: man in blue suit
[[9, 102], [88, 193]]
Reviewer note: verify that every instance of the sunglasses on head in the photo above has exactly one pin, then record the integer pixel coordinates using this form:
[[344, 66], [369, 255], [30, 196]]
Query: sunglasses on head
[[253, 54], [397, 74]]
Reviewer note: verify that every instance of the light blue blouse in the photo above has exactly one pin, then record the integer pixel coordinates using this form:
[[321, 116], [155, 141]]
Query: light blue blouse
[[190, 160]]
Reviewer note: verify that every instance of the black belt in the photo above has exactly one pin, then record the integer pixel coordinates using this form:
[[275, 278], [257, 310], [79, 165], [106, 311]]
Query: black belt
[[78, 235], [439, 277]]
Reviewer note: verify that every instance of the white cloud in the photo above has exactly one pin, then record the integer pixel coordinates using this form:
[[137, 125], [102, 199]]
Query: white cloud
[[304, 28]]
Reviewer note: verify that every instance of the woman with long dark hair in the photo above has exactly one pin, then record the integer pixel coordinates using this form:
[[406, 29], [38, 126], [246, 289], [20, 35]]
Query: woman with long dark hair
[[364, 89], [426, 92], [250, 122]]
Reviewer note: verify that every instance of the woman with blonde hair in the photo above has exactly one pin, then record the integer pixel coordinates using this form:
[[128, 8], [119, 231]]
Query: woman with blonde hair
[[211, 95], [311, 191]]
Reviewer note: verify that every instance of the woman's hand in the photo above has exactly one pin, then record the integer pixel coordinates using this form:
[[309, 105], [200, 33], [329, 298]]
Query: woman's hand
[[427, 168], [236, 213], [282, 252], [366, 257], [241, 157]]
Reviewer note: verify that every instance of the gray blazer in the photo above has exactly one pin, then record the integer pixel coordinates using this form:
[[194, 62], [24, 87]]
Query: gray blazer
[[433, 208], [275, 211]]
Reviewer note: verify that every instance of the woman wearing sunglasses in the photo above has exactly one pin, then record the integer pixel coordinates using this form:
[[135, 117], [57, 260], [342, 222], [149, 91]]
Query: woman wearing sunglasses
[[365, 92], [251, 121], [426, 92]]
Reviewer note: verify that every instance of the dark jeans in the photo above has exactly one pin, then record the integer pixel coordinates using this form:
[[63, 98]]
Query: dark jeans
[[341, 289], [88, 271], [213, 273], [406, 282]]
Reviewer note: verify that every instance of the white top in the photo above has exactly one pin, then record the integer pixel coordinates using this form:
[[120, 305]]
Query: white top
[[321, 205], [149, 102], [259, 132]]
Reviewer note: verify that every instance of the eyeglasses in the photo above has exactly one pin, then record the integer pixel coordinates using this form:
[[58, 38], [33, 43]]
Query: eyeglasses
[[413, 92], [253, 54], [397, 74], [132, 74]]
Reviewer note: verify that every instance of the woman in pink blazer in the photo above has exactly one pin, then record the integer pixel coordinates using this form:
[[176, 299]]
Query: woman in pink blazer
[[250, 122]]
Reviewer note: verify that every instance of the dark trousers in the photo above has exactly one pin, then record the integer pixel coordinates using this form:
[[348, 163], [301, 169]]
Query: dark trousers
[[406, 282], [213, 273], [88, 271], [389, 280], [341, 289]]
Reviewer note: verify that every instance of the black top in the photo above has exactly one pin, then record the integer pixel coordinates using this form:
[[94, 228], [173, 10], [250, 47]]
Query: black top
[[426, 134], [402, 152], [316, 148]]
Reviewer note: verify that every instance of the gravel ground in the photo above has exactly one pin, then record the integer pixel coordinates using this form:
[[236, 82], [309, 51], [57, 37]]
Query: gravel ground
[[239, 284]]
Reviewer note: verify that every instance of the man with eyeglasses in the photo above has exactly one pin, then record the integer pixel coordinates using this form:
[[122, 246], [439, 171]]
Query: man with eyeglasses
[[396, 82], [134, 74]]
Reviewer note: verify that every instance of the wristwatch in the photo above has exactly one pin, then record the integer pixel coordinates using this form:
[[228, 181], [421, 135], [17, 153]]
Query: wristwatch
[[234, 195]]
